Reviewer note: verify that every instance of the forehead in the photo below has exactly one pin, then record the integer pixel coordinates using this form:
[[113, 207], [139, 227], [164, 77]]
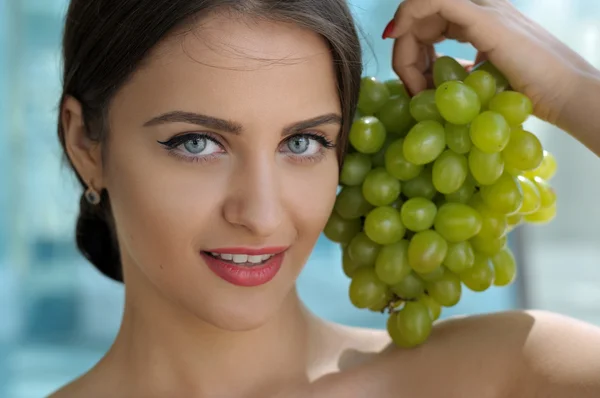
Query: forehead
[[223, 63]]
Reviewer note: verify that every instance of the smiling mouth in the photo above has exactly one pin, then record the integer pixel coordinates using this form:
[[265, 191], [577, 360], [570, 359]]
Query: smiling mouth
[[242, 260]]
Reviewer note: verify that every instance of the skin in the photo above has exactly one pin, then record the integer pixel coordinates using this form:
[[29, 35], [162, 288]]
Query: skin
[[185, 332]]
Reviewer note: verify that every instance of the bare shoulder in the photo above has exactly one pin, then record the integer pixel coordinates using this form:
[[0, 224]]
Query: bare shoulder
[[509, 354], [90, 385], [73, 389]]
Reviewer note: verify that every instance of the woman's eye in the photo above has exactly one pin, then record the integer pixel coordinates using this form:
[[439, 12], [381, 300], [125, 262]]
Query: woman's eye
[[195, 145], [298, 145], [303, 145]]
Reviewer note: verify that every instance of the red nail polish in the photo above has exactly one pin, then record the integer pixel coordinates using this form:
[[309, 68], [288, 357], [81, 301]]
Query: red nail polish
[[388, 29]]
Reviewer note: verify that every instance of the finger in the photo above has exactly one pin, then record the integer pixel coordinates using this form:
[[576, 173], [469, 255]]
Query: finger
[[461, 12], [431, 30], [408, 63]]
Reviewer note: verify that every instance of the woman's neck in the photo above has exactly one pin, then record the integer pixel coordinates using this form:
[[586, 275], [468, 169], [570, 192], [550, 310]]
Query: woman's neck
[[164, 350]]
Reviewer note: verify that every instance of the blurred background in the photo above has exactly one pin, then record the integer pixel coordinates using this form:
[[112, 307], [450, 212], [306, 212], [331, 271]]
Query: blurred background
[[58, 315]]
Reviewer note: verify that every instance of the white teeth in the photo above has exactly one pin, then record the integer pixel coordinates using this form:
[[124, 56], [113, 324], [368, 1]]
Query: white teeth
[[255, 259], [240, 258], [243, 258]]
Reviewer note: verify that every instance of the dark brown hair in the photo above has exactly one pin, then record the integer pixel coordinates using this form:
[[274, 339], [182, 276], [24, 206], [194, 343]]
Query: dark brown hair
[[106, 40]]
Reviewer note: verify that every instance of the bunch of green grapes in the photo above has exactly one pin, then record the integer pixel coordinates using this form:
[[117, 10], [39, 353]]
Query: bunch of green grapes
[[431, 187]]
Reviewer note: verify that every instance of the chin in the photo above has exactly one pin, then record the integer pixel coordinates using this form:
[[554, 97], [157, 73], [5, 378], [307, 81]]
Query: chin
[[189, 289], [245, 311]]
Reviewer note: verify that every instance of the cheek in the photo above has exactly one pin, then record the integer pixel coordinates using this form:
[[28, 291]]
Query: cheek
[[158, 208], [312, 196]]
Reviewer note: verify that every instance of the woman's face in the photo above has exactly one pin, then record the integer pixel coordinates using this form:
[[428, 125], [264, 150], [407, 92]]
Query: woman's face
[[223, 142]]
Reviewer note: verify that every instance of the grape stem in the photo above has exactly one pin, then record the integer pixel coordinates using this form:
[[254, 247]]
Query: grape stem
[[395, 302]]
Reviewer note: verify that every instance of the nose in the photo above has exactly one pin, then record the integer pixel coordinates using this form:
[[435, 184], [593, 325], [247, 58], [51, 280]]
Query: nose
[[254, 201]]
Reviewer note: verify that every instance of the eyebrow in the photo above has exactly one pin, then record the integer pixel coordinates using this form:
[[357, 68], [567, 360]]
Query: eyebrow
[[236, 128]]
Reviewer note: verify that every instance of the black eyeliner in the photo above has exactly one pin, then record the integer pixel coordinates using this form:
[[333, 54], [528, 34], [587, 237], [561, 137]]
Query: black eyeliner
[[183, 138]]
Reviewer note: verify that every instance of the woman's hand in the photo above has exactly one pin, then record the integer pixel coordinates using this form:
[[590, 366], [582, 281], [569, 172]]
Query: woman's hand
[[534, 62]]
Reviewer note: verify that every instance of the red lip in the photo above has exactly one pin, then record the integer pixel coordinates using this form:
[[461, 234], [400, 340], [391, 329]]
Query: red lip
[[242, 275], [249, 251]]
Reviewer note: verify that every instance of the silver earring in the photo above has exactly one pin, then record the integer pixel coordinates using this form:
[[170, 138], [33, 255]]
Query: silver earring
[[92, 196]]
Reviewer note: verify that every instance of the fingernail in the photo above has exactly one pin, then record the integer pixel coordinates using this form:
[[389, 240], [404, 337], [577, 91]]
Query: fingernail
[[388, 29]]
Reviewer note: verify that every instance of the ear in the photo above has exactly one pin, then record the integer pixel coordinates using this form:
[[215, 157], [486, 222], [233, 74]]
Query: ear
[[84, 153]]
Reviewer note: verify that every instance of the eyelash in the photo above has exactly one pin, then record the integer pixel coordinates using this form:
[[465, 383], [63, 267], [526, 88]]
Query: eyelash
[[172, 144]]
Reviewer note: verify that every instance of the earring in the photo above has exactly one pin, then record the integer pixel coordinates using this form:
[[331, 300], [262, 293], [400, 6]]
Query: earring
[[92, 196]]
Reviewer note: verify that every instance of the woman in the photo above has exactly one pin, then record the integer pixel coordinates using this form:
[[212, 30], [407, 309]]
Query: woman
[[208, 137]]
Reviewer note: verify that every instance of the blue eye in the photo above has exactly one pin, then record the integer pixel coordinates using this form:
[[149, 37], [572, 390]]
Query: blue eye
[[195, 145], [299, 144]]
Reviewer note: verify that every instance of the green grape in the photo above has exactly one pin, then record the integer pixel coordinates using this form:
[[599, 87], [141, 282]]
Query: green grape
[[409, 287], [505, 267], [460, 257], [393, 330], [435, 309], [532, 200], [449, 172], [542, 216], [395, 115], [373, 95], [420, 186], [378, 158], [418, 214], [426, 251], [524, 150], [447, 69], [355, 169], [366, 290], [502, 83], [446, 290], [546, 169], [457, 102], [367, 135], [396, 87], [351, 203], [424, 142], [363, 251], [484, 85], [456, 222], [433, 275], [514, 219], [547, 194], [489, 132], [514, 106], [383, 303], [458, 138], [383, 225], [414, 323], [391, 265], [397, 165], [486, 168], [488, 246], [341, 230], [348, 266], [380, 188], [423, 107], [480, 276], [463, 194], [493, 225], [505, 196]]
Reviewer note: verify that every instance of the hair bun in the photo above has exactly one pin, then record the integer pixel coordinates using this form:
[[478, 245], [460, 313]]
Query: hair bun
[[95, 239]]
